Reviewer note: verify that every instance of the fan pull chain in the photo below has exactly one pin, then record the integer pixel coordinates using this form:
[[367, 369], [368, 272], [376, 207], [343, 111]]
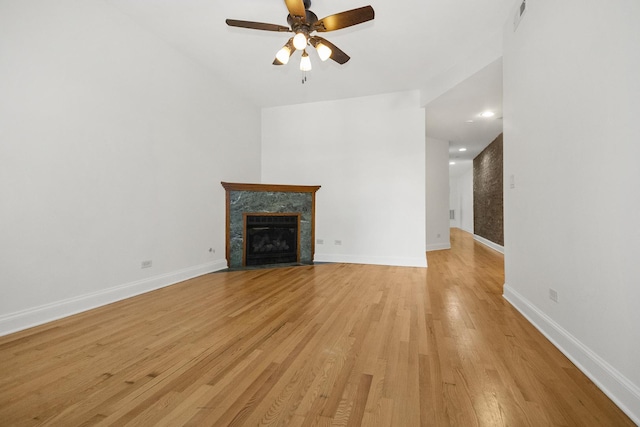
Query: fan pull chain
[[304, 77]]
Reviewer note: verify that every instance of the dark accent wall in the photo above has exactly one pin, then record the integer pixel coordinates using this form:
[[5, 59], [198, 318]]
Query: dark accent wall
[[488, 212]]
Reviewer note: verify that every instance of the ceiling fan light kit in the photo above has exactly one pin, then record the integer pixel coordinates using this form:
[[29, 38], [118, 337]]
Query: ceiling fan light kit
[[303, 23]]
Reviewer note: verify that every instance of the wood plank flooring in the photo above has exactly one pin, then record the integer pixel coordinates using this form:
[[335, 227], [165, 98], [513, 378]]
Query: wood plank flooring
[[331, 344]]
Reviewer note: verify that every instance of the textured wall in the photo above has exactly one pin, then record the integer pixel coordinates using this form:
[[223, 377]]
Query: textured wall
[[487, 193]]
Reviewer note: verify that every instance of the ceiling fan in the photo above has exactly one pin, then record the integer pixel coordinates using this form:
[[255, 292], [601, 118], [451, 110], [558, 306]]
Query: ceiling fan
[[303, 23]]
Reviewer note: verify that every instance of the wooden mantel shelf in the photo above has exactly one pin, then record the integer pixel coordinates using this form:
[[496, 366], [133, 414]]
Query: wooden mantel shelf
[[234, 186]]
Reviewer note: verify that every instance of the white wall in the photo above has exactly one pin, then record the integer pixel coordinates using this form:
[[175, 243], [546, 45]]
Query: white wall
[[368, 156], [461, 199], [454, 203], [437, 194], [571, 141], [112, 149]]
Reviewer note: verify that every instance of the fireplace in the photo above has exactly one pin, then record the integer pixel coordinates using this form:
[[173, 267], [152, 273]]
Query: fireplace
[[271, 239], [269, 224]]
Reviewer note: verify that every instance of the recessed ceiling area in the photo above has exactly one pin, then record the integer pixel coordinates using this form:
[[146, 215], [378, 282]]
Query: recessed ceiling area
[[457, 116]]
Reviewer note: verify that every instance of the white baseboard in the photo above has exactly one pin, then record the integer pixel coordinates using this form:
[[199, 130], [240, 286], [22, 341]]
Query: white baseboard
[[489, 243], [622, 391], [24, 319], [375, 260], [438, 246]]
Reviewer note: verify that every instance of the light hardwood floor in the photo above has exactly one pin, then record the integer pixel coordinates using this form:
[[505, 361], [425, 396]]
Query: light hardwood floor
[[331, 344]]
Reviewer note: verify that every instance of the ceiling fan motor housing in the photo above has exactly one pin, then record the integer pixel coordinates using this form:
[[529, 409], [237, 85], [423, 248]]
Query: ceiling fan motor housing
[[299, 25]]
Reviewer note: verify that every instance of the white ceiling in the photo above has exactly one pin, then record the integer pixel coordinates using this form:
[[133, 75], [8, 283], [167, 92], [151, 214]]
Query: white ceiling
[[455, 116], [408, 46]]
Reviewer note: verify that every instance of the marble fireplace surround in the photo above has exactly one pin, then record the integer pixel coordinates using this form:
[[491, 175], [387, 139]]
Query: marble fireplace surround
[[242, 199]]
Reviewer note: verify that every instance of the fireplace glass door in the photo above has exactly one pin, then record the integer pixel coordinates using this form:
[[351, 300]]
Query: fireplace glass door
[[271, 239]]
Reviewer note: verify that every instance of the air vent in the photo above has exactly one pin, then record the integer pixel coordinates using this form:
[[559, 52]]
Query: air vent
[[518, 16]]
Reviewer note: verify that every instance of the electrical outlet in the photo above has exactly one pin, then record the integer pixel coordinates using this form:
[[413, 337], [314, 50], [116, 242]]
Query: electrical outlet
[[338, 242], [553, 295], [320, 241], [213, 251], [146, 264]]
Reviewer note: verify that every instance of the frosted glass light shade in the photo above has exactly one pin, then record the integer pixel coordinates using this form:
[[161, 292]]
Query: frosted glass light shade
[[305, 62], [300, 41], [324, 51], [284, 54]]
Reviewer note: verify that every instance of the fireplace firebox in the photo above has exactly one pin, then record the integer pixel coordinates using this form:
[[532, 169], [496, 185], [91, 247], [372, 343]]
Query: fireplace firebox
[[271, 238]]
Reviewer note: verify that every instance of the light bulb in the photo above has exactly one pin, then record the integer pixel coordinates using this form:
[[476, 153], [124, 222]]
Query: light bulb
[[305, 62], [324, 51], [300, 41], [284, 54]]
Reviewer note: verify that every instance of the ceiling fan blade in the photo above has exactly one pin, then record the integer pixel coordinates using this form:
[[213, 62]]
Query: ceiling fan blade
[[345, 19], [336, 54], [296, 8], [257, 25]]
